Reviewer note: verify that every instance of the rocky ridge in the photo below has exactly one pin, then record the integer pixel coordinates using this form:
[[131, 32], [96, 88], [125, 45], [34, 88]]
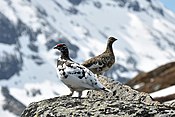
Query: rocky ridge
[[155, 80], [10, 103], [122, 101]]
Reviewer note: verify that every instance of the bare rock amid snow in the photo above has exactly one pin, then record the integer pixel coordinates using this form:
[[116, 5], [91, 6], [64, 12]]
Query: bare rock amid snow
[[10, 103], [157, 79], [122, 101]]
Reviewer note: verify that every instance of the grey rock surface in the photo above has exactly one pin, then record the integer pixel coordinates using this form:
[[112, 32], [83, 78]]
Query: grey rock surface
[[121, 102], [10, 103]]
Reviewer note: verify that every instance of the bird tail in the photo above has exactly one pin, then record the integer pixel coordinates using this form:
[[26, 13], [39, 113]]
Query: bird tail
[[105, 89]]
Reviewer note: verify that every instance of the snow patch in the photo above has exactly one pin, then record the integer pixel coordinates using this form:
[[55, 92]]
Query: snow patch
[[164, 92]]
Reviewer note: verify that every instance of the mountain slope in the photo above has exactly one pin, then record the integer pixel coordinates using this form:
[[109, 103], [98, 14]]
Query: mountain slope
[[157, 79], [30, 28]]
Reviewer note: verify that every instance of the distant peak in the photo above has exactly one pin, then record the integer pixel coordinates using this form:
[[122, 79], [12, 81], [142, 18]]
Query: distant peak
[[75, 2]]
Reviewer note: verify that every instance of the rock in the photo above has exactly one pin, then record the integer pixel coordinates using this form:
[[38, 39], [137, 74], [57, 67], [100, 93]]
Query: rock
[[157, 79], [119, 91], [165, 98], [10, 103], [122, 101]]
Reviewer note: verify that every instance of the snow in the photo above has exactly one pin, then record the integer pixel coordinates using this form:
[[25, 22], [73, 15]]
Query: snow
[[5, 47], [48, 90], [41, 39], [88, 29], [26, 13], [164, 92], [138, 85], [3, 112], [143, 4], [4, 8]]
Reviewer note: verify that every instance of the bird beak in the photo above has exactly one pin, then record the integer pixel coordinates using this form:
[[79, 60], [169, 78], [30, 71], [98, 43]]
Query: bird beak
[[115, 39], [55, 47]]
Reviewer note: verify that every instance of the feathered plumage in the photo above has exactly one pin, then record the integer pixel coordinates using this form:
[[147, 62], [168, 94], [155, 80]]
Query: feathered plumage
[[101, 63], [74, 75]]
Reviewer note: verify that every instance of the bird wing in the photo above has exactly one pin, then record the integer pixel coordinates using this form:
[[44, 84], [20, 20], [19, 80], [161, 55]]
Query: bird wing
[[93, 63], [80, 76], [98, 61], [92, 80]]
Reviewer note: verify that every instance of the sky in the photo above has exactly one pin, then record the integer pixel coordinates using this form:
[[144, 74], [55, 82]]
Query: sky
[[170, 4]]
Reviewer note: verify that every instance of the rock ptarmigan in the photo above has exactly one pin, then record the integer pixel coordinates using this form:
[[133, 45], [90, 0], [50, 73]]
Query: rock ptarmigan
[[101, 63], [76, 76]]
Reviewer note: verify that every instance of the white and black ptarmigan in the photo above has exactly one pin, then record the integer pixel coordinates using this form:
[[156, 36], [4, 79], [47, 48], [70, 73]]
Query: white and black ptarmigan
[[101, 63], [76, 76]]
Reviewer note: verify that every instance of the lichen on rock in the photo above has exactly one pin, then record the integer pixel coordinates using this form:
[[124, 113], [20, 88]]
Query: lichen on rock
[[122, 101]]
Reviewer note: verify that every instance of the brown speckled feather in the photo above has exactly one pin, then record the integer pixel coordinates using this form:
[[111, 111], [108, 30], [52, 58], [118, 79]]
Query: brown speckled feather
[[102, 62], [75, 76]]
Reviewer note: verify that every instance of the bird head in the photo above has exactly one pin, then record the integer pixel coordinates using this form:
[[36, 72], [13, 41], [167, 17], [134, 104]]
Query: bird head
[[111, 39], [61, 47]]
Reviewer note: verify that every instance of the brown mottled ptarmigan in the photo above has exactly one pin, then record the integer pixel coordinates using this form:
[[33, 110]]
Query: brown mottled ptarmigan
[[75, 76], [101, 63]]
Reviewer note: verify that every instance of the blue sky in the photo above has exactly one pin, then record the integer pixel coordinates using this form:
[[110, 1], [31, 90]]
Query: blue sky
[[170, 4]]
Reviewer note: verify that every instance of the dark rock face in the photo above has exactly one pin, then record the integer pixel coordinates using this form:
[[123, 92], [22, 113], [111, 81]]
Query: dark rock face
[[73, 48], [75, 2], [119, 68], [10, 103], [9, 65], [134, 6], [97, 4], [72, 10], [33, 47], [38, 60], [122, 101], [121, 3], [8, 34], [158, 10], [11, 62], [33, 92], [24, 29], [165, 98], [157, 79]]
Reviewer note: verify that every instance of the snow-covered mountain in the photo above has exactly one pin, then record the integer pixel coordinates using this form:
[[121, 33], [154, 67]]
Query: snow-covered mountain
[[30, 28]]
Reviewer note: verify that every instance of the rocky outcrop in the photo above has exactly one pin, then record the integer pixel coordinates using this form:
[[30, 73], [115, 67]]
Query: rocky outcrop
[[122, 101], [157, 79], [10, 103], [165, 98]]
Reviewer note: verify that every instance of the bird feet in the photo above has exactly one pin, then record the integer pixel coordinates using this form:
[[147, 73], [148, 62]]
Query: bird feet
[[79, 94], [68, 95]]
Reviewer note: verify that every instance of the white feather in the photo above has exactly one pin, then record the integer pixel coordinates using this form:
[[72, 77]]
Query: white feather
[[75, 77], [95, 65]]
